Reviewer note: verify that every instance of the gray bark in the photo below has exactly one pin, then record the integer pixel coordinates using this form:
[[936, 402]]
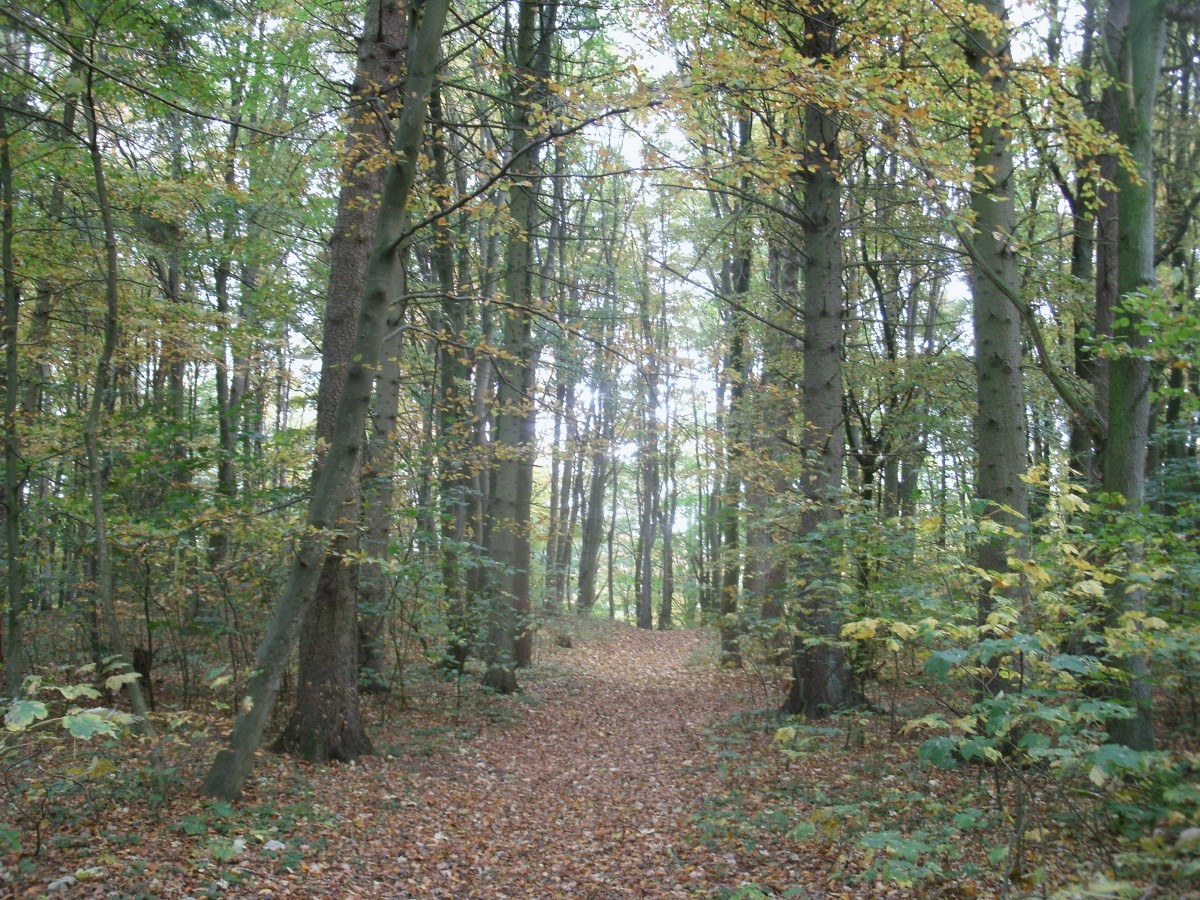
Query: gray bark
[[1136, 31], [509, 643], [821, 680], [1000, 428]]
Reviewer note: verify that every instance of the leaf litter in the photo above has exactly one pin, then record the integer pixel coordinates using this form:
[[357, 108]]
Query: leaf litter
[[611, 776]]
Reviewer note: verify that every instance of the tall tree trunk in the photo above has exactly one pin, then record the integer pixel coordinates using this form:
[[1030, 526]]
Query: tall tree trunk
[[378, 492], [593, 511], [15, 656], [509, 643], [380, 286], [97, 464], [1136, 33], [821, 679], [228, 394], [1000, 429], [325, 723], [648, 449]]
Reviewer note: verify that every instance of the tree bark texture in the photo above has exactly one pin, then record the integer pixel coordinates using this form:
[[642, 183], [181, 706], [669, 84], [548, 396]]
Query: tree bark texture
[[325, 723], [1136, 33], [380, 288], [821, 679], [509, 642], [1000, 427]]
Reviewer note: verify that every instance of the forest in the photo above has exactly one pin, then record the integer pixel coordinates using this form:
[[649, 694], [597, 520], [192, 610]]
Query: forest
[[522, 448]]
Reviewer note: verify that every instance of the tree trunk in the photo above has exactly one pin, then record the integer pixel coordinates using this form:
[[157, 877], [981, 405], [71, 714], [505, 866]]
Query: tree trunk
[[97, 465], [383, 279], [14, 657], [509, 643], [821, 679], [1136, 34], [325, 723], [1000, 428]]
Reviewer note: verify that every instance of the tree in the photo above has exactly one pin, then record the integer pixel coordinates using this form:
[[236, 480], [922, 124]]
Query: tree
[[332, 485], [1135, 33], [508, 536], [325, 723], [1000, 432], [820, 678]]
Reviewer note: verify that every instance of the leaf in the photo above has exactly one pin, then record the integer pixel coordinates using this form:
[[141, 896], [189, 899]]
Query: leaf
[[1068, 662], [862, 630], [23, 713], [116, 682], [939, 751], [85, 726], [75, 691], [941, 662]]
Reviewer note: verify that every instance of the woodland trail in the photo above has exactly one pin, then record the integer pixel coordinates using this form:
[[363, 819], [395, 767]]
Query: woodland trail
[[591, 794], [588, 785]]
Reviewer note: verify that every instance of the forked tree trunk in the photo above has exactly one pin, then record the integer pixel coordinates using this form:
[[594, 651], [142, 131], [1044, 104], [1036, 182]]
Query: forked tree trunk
[[381, 285], [325, 723]]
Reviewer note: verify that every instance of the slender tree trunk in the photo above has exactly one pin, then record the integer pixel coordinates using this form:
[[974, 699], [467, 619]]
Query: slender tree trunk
[[228, 396], [1136, 34], [648, 450], [15, 656], [382, 282], [509, 643], [378, 491], [593, 515], [97, 466]]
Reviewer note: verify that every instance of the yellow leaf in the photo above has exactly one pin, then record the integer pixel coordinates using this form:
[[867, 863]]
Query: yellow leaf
[[862, 630]]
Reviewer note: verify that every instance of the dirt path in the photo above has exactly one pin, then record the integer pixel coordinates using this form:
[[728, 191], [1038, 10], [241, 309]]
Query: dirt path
[[591, 795], [586, 786]]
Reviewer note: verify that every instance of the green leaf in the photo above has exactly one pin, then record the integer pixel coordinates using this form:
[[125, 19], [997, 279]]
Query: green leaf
[[1032, 741], [941, 662], [85, 726], [968, 818], [10, 838], [978, 748], [75, 691], [23, 713], [1114, 758], [803, 831], [1067, 662], [939, 751]]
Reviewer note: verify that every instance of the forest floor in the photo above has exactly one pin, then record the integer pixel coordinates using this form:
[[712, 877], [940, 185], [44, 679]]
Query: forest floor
[[615, 774]]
